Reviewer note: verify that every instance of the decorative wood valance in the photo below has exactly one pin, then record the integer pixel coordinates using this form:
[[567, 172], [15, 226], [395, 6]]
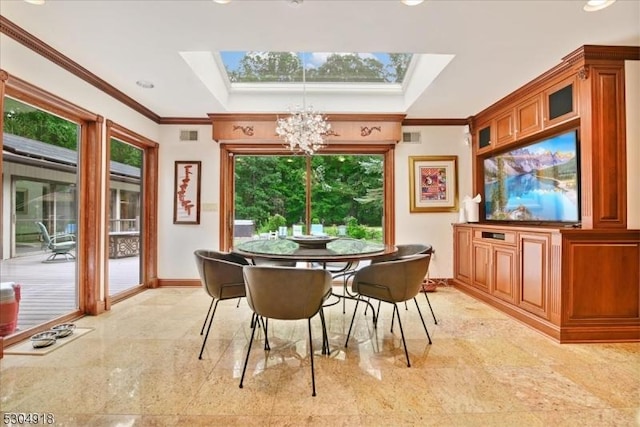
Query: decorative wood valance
[[352, 128]]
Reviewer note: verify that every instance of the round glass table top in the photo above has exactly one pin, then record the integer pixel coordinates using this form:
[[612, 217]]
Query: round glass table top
[[336, 249]]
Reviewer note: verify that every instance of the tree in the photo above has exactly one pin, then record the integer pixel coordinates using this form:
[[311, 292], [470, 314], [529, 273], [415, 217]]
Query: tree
[[267, 66], [41, 126]]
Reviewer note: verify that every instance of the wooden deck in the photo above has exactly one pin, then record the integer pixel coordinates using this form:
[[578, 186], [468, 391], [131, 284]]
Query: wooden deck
[[48, 290]]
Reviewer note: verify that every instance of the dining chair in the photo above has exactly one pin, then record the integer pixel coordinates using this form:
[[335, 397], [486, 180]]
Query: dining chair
[[410, 250], [222, 279], [392, 282], [287, 293]]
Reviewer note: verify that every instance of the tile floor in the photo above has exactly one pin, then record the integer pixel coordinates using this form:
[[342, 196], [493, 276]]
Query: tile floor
[[140, 367]]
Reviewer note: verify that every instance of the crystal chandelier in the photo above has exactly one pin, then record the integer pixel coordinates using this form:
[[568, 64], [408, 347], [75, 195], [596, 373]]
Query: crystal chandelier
[[304, 129]]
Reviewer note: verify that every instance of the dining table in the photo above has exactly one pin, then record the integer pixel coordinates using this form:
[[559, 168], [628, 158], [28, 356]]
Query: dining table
[[323, 251], [316, 249]]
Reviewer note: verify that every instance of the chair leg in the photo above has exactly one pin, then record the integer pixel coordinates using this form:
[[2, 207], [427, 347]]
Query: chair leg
[[207, 316], [208, 329], [325, 337], [265, 326], [351, 325], [404, 343], [313, 377], [430, 308], [422, 319], [246, 359]]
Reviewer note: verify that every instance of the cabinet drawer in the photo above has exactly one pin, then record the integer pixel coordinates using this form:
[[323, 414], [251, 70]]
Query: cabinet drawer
[[507, 237]]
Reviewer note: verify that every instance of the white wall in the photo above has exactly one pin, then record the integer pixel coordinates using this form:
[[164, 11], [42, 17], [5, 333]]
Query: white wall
[[432, 228], [178, 241]]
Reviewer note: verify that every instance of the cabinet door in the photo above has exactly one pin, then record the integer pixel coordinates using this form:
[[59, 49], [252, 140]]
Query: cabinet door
[[484, 137], [504, 277], [481, 253], [560, 102], [529, 117], [505, 128], [534, 273], [462, 250]]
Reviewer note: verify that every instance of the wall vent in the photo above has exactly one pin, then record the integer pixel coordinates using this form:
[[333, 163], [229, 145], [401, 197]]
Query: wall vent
[[411, 137], [188, 135]]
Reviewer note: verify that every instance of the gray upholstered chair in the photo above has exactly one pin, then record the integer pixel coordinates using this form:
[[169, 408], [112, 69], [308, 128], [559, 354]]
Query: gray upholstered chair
[[392, 282], [58, 244], [287, 293], [222, 279], [410, 250]]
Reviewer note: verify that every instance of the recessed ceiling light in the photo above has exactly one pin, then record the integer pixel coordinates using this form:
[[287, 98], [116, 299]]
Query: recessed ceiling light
[[145, 84], [222, 1], [594, 5], [412, 2], [38, 2], [295, 3]]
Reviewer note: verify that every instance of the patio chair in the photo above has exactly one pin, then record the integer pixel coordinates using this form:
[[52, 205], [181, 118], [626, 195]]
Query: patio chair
[[58, 244]]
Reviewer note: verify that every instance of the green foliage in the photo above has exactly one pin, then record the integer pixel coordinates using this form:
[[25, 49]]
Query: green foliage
[[127, 154], [269, 67], [339, 67], [269, 185], [38, 125], [275, 221]]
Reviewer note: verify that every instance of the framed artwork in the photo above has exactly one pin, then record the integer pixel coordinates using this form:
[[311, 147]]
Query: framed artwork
[[186, 197], [433, 182], [22, 201]]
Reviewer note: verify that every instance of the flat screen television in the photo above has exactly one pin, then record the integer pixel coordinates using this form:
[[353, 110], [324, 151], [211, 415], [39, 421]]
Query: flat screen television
[[535, 183]]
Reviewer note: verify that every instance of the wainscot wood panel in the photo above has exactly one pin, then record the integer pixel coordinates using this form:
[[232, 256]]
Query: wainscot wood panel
[[573, 285]]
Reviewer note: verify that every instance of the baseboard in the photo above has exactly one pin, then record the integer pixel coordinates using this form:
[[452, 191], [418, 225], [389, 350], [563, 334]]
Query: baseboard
[[179, 283]]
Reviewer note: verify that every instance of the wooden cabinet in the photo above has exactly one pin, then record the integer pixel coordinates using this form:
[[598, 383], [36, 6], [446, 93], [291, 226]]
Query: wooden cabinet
[[560, 102], [481, 265], [505, 128], [462, 247], [534, 272], [484, 137], [504, 272], [529, 117], [570, 284]]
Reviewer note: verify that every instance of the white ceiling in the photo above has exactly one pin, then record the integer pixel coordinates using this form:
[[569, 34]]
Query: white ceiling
[[498, 45]]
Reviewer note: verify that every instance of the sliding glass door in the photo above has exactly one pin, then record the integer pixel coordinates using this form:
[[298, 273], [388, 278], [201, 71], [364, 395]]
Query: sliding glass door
[[125, 214], [40, 234]]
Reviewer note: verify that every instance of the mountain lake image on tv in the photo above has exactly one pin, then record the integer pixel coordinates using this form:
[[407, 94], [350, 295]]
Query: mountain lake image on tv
[[534, 183]]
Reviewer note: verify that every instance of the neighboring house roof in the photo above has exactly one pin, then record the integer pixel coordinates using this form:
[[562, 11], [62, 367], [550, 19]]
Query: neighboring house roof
[[34, 152]]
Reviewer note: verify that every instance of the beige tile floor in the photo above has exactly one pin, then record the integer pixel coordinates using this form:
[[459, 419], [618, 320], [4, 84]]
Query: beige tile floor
[[139, 367]]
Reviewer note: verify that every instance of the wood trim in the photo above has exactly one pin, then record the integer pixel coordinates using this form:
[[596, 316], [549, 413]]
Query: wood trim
[[228, 150], [89, 215], [38, 46], [598, 52], [184, 121], [33, 95], [272, 117], [149, 186], [435, 122], [345, 128], [179, 283]]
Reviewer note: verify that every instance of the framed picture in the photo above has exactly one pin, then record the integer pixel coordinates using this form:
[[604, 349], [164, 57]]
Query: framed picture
[[186, 197], [22, 201], [433, 181]]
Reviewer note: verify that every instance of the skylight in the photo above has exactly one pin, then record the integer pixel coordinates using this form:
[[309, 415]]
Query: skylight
[[320, 67]]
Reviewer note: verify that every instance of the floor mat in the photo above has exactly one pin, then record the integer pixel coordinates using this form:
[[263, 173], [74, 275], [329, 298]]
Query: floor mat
[[25, 347]]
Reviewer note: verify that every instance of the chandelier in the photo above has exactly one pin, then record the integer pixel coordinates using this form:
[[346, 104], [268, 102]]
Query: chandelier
[[304, 129]]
